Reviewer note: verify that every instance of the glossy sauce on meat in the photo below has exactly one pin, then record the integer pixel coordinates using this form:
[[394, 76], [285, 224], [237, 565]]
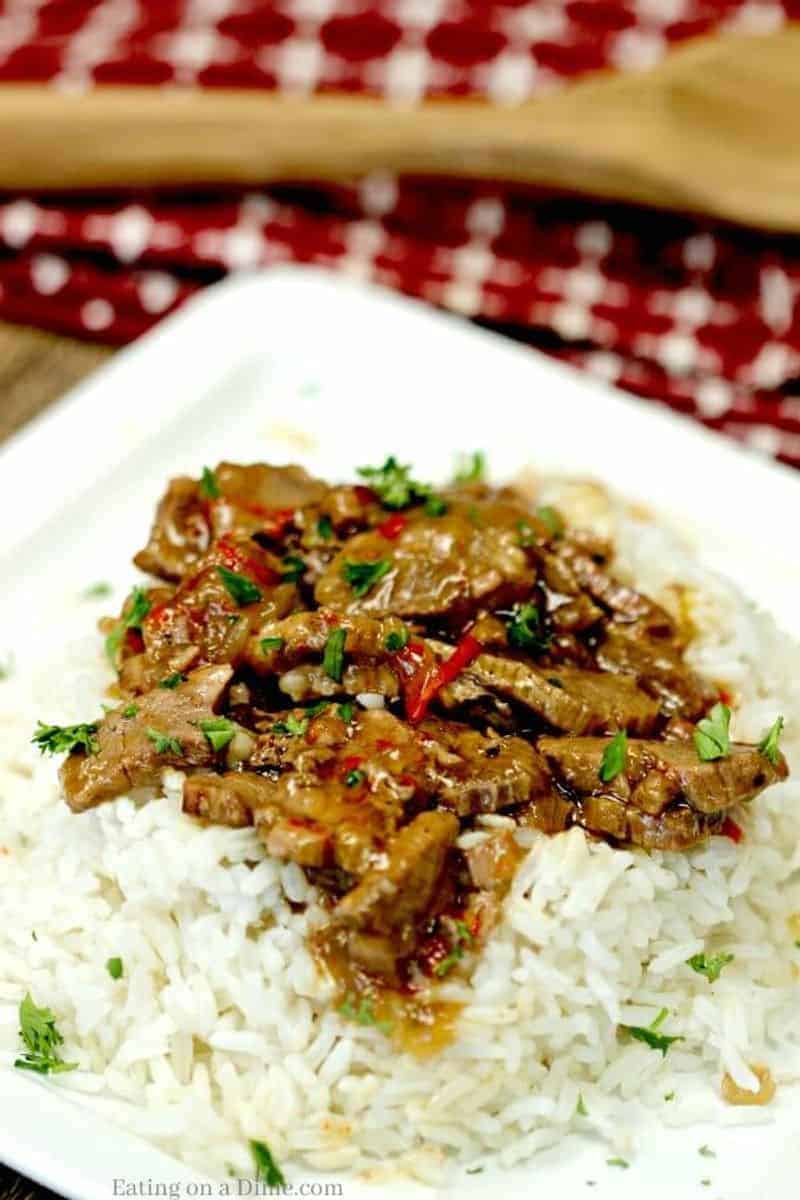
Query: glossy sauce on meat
[[394, 687]]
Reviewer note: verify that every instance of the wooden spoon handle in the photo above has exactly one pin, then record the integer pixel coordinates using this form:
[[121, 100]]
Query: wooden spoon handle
[[715, 128]]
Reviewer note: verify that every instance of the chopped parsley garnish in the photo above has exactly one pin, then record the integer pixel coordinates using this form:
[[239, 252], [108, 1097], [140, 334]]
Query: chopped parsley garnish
[[525, 629], [345, 712], [293, 568], [316, 708], [618, 1162], [580, 1108], [355, 777], [295, 726], [267, 1170], [98, 591], [615, 757], [435, 506], [130, 710], [325, 529], [463, 939], [706, 1152], [270, 644], [209, 488], [219, 731], [393, 484], [136, 612], [768, 746], [396, 640], [471, 468], [240, 589], [669, 1096], [6, 667], [363, 1015], [709, 965], [37, 1028], [66, 739], [650, 1036], [115, 968], [362, 576], [552, 520], [333, 658], [163, 743], [172, 681], [712, 737]]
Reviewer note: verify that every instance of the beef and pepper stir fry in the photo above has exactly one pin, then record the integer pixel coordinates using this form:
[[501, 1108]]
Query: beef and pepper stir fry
[[362, 671]]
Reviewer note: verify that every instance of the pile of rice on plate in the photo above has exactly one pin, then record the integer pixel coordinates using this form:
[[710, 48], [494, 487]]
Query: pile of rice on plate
[[221, 1028]]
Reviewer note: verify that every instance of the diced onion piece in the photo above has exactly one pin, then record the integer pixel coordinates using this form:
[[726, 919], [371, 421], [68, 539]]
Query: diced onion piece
[[240, 748], [733, 1094], [371, 700]]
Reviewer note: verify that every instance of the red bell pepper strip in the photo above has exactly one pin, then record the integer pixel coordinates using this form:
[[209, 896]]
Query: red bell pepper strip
[[420, 691], [393, 526], [731, 830]]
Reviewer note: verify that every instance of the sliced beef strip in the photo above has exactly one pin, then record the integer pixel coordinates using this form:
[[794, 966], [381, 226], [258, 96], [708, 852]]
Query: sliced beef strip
[[658, 665], [658, 774], [128, 758], [395, 896], [440, 567], [567, 698], [186, 520], [571, 569], [677, 828], [227, 799], [399, 769], [493, 862], [304, 635], [471, 773]]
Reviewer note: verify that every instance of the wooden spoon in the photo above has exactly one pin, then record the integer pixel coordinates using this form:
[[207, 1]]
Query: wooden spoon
[[715, 128]]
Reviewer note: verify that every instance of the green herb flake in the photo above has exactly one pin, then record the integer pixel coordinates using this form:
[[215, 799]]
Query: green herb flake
[[130, 710], [333, 658], [163, 743], [324, 529], [435, 506], [293, 568], [705, 1183], [393, 485], [462, 941], [172, 681], [240, 589], [271, 643], [219, 732], [363, 1015], [710, 965], [209, 488], [768, 746], [362, 576], [267, 1170], [346, 711], [471, 468], [706, 1152], [580, 1108], [615, 757], [618, 1162], [525, 631], [132, 617], [669, 1096], [395, 641], [98, 591], [552, 520], [650, 1036], [115, 968], [474, 1170], [6, 667], [316, 708], [37, 1028], [355, 777], [66, 739], [712, 738], [294, 726]]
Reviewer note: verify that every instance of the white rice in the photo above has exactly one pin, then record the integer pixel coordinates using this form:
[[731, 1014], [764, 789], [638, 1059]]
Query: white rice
[[221, 1028]]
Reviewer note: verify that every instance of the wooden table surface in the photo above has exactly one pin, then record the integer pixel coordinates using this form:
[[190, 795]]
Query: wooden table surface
[[35, 369]]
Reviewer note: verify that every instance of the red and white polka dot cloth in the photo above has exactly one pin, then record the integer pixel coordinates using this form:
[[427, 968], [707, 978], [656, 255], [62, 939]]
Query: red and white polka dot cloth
[[701, 317]]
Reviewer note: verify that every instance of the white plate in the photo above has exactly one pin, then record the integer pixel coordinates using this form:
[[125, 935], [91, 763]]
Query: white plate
[[295, 365]]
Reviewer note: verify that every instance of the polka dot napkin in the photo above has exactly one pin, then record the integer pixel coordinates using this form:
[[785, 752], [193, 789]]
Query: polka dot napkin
[[700, 317]]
